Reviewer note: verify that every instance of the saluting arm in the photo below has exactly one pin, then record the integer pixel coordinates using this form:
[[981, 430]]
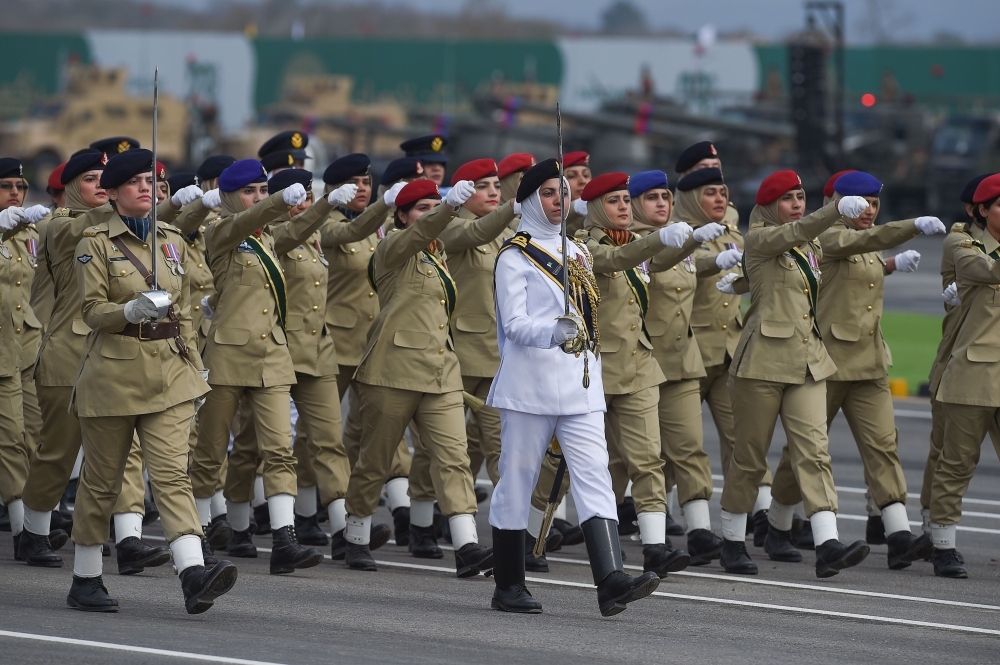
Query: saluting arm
[[226, 234], [190, 217], [841, 243], [608, 258], [92, 274], [466, 234], [289, 235], [512, 305], [775, 240], [336, 234], [974, 267], [166, 213], [668, 257], [397, 248]]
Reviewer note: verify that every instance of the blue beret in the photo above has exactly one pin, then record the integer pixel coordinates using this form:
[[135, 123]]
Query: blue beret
[[180, 180], [644, 181], [213, 167], [83, 161], [857, 183], [700, 178], [694, 154], [11, 168], [399, 169], [240, 174], [115, 144], [968, 192], [429, 148], [349, 166], [126, 165], [283, 179]]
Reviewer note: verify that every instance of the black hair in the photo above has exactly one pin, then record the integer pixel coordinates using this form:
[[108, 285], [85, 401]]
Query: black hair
[[976, 216]]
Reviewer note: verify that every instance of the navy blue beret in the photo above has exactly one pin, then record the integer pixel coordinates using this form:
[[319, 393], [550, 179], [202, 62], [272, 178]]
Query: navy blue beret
[[349, 166], [283, 159], [126, 165], [83, 161], [429, 148], [180, 180], [694, 154], [213, 167], [857, 183], [967, 192], [283, 179], [644, 181], [700, 178], [240, 174], [115, 144], [11, 168], [292, 141], [400, 169]]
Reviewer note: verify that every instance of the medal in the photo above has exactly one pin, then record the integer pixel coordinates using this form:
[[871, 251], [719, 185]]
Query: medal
[[32, 246], [689, 263]]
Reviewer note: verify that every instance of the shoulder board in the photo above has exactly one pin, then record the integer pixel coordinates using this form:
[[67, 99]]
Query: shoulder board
[[969, 244], [582, 234], [92, 231], [959, 227], [168, 227], [731, 227], [731, 205], [60, 212], [757, 225]]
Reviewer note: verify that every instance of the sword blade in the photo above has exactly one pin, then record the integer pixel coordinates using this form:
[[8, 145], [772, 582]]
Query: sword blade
[[562, 208], [152, 223]]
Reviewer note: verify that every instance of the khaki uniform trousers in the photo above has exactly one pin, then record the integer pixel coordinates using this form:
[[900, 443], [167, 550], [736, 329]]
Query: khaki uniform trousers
[[401, 459], [939, 415], [440, 419], [965, 428], [802, 407], [270, 411], [13, 446], [483, 430], [681, 439], [29, 407], [321, 451], [716, 391], [107, 442], [632, 427]]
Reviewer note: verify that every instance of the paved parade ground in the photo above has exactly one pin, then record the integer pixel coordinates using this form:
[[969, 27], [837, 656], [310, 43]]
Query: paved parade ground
[[416, 611]]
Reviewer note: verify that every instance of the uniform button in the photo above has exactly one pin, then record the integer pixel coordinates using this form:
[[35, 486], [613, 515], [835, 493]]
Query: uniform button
[[871, 286], [805, 340], [442, 302], [314, 332], [200, 265], [315, 283], [678, 338], [264, 312], [298, 256], [354, 250], [633, 352], [201, 287], [123, 273], [633, 325], [441, 327], [315, 308], [197, 308], [678, 289], [17, 330], [613, 274], [725, 304], [267, 286], [145, 246], [371, 317], [263, 336], [430, 272], [871, 260], [18, 308], [869, 308], [871, 332], [724, 326], [154, 353], [17, 283], [674, 268], [631, 301], [371, 249], [440, 351], [371, 294], [314, 260], [249, 263], [805, 316], [18, 259], [678, 312]]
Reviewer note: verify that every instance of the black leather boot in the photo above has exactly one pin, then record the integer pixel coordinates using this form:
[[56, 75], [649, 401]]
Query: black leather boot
[[308, 531], [735, 559], [674, 528], [262, 519], [875, 530], [338, 546], [779, 547], [207, 553], [532, 563], [401, 525], [359, 557], [760, 527], [511, 594], [703, 546], [61, 521], [90, 595], [36, 550], [134, 556], [241, 546], [380, 535], [423, 544], [615, 589], [802, 534], [287, 555], [150, 512], [69, 494], [662, 559], [472, 559], [905, 548], [201, 586], [571, 533], [5, 521], [481, 493], [948, 563], [833, 556], [628, 520], [219, 532]]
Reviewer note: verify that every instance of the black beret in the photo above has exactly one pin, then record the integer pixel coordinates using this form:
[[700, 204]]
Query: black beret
[[700, 178], [967, 192], [535, 176], [429, 148], [283, 179], [292, 141], [126, 165], [347, 167], [400, 169], [694, 154], [179, 181], [115, 144], [213, 167], [11, 168], [83, 161], [281, 160]]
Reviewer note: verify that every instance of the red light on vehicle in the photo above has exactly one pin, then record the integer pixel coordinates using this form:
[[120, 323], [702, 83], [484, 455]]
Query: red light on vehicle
[[868, 99]]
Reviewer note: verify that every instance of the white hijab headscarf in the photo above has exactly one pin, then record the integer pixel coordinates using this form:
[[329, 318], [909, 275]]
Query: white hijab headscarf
[[533, 219]]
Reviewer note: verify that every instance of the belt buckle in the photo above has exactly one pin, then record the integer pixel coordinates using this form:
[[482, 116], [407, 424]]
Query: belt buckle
[[142, 337]]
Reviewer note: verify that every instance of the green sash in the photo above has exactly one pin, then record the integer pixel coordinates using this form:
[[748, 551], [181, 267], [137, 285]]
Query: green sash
[[447, 283], [807, 274], [635, 282], [275, 276]]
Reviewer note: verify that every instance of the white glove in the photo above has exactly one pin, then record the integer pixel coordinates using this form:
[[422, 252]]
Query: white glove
[[342, 195], [727, 259], [35, 213], [211, 199], [566, 329], [710, 231], [950, 295], [930, 226], [294, 194], [460, 193], [852, 206], [206, 309], [907, 261], [580, 207], [515, 206], [186, 195], [726, 283], [11, 218], [390, 195], [141, 309], [675, 235], [204, 374]]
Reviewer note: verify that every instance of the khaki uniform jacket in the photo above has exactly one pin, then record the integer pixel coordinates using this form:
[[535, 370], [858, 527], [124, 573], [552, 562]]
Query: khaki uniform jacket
[[23, 248], [472, 245], [194, 218], [960, 232], [973, 371], [668, 321], [10, 350], [42, 289], [780, 340], [121, 375], [351, 303], [409, 344], [246, 342], [850, 301], [715, 316], [63, 342]]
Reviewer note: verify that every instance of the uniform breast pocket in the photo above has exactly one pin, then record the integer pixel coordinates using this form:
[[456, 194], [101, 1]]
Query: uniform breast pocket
[[247, 269], [411, 339], [428, 279], [790, 275], [855, 267], [294, 262], [123, 279]]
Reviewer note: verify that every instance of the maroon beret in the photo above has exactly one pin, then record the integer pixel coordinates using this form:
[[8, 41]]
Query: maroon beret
[[604, 183], [775, 186], [474, 170], [416, 190], [519, 161]]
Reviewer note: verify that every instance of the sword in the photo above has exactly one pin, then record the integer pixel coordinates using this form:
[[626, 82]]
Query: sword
[[550, 507], [562, 208], [159, 297]]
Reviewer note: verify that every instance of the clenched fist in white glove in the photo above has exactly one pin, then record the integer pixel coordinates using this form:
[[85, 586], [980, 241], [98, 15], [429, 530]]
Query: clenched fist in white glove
[[726, 283], [142, 309], [206, 309], [709, 231], [727, 259], [907, 261], [461, 192], [930, 225], [186, 195], [390, 194], [852, 206], [566, 329], [676, 234], [211, 199], [35, 213], [11, 218], [950, 295], [294, 194], [342, 195], [580, 207]]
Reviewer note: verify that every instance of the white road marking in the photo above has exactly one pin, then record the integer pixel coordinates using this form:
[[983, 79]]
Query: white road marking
[[909, 413], [134, 649]]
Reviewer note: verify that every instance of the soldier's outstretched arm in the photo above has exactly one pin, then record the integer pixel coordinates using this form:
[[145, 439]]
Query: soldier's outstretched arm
[[225, 235], [774, 240], [190, 217], [335, 234], [397, 248], [465, 234], [840, 243], [608, 258], [668, 257], [289, 235], [973, 266]]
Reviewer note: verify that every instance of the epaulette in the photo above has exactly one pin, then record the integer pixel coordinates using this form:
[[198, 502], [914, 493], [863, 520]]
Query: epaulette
[[583, 234], [967, 244], [583, 248], [732, 205], [731, 227], [960, 227], [757, 225], [60, 212], [92, 231], [169, 227]]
